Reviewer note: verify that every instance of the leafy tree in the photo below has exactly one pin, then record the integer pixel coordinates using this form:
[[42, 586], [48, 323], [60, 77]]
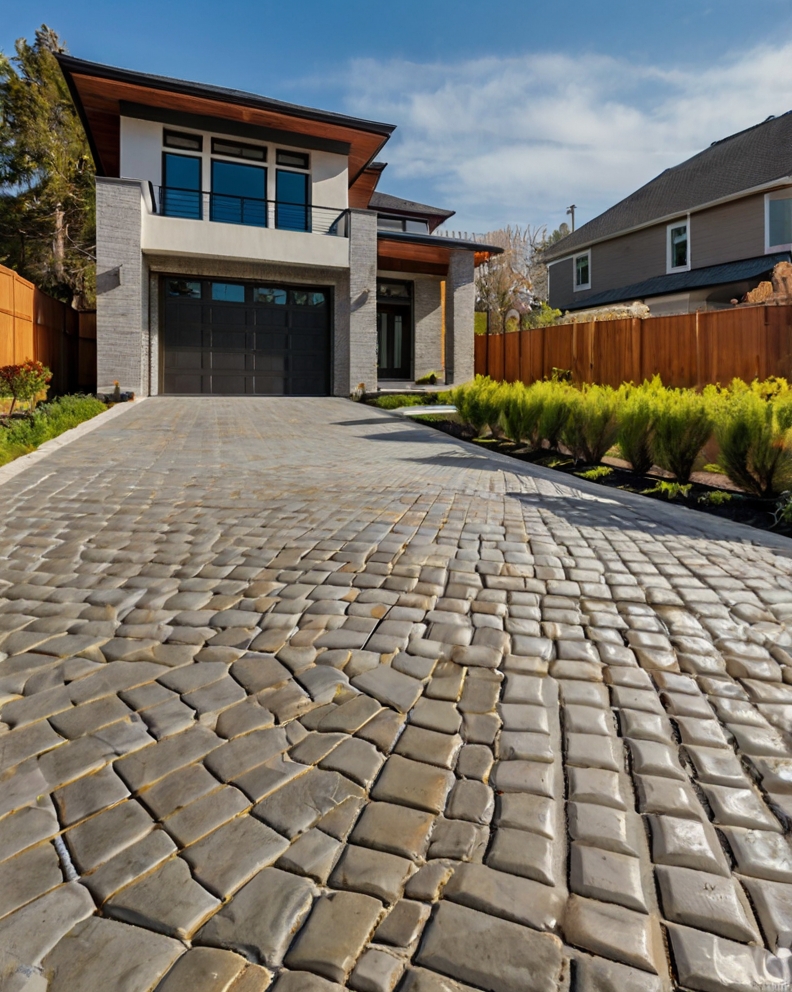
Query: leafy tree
[[506, 281], [47, 205]]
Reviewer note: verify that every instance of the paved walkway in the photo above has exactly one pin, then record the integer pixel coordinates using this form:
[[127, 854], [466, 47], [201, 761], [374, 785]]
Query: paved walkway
[[297, 696]]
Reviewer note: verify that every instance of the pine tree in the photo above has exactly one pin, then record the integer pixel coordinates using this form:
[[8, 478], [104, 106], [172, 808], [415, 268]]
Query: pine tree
[[47, 203]]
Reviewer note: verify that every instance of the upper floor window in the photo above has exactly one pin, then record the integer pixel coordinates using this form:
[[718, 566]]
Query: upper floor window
[[181, 192], [178, 139], [409, 225], [237, 149], [583, 271], [239, 193], [678, 249], [778, 220], [295, 160]]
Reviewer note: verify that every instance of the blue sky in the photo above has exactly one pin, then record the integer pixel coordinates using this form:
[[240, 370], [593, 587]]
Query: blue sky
[[507, 112]]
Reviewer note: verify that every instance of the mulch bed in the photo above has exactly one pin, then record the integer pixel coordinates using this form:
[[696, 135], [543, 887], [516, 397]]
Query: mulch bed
[[742, 509]]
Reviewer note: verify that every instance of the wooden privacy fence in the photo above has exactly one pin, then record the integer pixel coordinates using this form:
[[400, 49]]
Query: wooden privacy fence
[[34, 325], [684, 350]]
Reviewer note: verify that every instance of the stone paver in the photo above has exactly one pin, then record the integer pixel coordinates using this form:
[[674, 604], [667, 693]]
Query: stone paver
[[297, 696]]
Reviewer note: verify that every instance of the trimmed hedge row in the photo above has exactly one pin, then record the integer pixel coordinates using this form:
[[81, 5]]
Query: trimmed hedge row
[[652, 425]]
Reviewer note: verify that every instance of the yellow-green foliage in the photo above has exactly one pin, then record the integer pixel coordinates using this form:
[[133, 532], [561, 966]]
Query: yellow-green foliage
[[592, 422], [752, 423], [752, 429], [522, 411], [682, 427]]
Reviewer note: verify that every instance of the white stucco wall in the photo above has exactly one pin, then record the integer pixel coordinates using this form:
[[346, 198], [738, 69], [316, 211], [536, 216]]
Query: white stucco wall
[[142, 148]]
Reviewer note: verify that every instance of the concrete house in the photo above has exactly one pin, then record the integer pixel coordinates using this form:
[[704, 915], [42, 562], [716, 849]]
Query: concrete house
[[243, 247], [697, 236]]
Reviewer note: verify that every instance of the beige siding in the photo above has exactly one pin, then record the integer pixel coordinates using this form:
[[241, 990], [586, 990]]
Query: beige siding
[[729, 232], [629, 259], [559, 289]]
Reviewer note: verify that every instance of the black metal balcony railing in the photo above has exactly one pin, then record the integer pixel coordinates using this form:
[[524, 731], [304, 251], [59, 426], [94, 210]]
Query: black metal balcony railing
[[190, 204]]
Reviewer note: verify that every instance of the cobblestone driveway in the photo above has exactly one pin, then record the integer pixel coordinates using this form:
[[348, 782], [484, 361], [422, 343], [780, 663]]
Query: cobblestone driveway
[[297, 696]]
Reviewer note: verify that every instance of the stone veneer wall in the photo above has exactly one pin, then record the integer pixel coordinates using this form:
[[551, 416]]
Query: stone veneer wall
[[120, 345], [362, 338], [460, 301]]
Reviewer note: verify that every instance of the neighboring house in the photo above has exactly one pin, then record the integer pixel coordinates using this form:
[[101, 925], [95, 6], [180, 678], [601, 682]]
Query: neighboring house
[[242, 247], [696, 237]]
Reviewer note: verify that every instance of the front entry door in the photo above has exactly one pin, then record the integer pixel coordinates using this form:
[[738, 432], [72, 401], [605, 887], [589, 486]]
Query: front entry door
[[394, 342]]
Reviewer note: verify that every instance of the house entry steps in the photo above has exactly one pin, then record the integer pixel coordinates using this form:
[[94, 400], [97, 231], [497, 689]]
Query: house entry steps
[[298, 695]]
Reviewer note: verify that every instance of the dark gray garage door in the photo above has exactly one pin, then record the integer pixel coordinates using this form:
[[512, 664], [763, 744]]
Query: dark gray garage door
[[234, 338]]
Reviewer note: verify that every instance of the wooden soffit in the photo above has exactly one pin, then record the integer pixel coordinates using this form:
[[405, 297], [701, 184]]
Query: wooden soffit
[[361, 190], [99, 97], [406, 253]]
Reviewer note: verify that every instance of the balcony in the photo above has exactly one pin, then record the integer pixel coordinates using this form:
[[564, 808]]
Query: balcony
[[186, 204]]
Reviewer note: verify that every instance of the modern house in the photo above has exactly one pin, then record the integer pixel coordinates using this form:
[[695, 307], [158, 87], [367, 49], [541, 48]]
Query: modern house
[[243, 248], [698, 236]]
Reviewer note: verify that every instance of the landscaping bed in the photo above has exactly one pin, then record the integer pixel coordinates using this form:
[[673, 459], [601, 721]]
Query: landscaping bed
[[713, 499], [726, 450], [21, 434]]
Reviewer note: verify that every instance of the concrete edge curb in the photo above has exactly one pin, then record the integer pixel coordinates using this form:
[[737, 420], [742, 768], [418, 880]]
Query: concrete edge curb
[[713, 528], [24, 462]]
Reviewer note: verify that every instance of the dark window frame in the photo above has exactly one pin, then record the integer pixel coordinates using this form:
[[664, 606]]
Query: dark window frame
[[303, 156], [215, 198], [242, 146], [184, 135], [398, 300]]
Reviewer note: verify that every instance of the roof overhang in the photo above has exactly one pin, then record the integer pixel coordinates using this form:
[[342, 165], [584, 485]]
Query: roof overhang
[[102, 93], [361, 191], [560, 254], [426, 252], [679, 282]]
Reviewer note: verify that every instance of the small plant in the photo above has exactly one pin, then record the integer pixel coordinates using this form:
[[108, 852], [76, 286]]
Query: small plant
[[429, 379], [555, 410], [682, 427], [23, 383], [593, 474], [719, 497], [560, 375], [783, 511], [669, 489], [714, 468], [393, 401]]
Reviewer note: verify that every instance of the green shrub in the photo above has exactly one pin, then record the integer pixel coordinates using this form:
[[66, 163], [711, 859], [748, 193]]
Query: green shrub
[[542, 316], [591, 424], [555, 410], [522, 411], [429, 379], [393, 401], [47, 421], [752, 434], [682, 427], [718, 497], [636, 427], [478, 403]]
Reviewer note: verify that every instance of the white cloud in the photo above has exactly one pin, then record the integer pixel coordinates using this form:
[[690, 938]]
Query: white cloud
[[518, 139]]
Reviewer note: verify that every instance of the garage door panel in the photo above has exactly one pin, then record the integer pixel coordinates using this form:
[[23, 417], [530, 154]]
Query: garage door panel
[[175, 383], [229, 385], [239, 348]]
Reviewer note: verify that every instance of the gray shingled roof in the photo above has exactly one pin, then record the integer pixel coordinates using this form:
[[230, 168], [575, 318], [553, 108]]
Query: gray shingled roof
[[677, 282], [384, 201], [742, 161]]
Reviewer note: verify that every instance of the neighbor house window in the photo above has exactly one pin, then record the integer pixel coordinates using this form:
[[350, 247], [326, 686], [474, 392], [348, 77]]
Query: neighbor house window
[[583, 271], [779, 221], [678, 251]]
